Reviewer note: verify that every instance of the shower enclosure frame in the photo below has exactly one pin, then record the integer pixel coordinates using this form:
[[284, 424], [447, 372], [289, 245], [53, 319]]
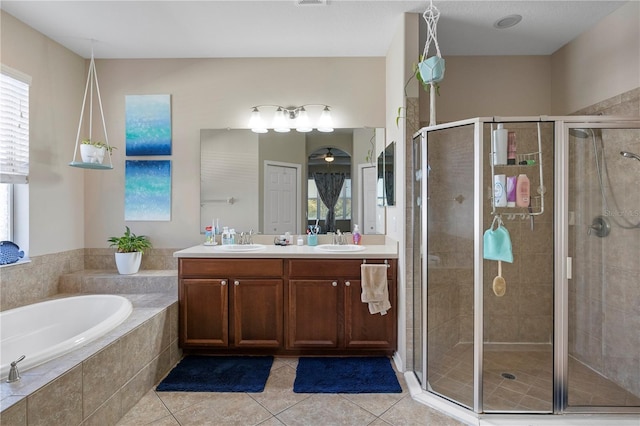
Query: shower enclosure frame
[[561, 260]]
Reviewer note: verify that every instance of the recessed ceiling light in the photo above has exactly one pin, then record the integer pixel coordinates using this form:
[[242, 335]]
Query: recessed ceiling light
[[507, 21]]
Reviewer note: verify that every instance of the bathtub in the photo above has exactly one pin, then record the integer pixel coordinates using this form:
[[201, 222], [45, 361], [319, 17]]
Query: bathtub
[[44, 331]]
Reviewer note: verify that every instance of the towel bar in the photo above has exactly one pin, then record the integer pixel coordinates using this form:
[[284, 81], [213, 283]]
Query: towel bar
[[386, 262]]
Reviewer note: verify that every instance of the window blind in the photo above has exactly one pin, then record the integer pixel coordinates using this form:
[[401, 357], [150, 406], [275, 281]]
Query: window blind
[[14, 126]]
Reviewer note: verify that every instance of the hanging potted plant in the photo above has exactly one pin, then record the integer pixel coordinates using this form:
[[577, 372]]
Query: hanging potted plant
[[431, 68], [93, 151], [130, 248]]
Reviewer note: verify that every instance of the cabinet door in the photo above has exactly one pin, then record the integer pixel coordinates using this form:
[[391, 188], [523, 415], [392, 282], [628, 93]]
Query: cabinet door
[[257, 312], [204, 312], [312, 320], [366, 330]]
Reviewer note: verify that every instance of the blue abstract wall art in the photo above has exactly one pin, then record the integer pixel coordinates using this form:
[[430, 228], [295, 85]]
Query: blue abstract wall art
[[147, 190], [148, 124]]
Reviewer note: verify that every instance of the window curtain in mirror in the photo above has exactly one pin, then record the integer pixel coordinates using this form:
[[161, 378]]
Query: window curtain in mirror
[[329, 186]]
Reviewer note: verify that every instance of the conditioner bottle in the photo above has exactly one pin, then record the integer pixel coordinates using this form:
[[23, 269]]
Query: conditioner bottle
[[522, 191]]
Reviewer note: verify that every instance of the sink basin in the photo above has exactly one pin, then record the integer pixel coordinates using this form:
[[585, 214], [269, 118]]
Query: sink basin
[[240, 247], [335, 248]]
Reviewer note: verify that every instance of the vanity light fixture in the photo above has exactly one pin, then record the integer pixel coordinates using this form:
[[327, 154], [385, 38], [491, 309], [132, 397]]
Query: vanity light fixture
[[293, 117]]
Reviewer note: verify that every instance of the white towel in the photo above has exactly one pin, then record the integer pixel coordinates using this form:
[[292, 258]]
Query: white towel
[[375, 290]]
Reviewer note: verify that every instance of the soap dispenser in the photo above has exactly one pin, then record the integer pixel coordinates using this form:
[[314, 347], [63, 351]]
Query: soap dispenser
[[356, 235], [226, 237]]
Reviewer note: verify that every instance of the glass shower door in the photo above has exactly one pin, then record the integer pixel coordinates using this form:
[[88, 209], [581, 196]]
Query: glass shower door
[[604, 288], [449, 263]]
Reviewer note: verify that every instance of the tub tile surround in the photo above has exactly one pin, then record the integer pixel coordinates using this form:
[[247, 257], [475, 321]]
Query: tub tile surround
[[111, 373], [99, 382], [27, 283]]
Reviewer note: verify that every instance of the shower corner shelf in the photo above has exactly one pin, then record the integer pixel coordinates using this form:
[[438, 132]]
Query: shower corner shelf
[[95, 166]]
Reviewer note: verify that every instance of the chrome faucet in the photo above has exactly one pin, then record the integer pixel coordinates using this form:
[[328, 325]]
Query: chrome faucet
[[246, 238], [338, 238], [14, 374]]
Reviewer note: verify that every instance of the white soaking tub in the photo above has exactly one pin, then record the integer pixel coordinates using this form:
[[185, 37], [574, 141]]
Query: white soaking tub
[[44, 331]]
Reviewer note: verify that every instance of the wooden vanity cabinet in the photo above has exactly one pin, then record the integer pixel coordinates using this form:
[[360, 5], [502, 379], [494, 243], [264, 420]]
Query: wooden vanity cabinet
[[324, 309], [231, 303]]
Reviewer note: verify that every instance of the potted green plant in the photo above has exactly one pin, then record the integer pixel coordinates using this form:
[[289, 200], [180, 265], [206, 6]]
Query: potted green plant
[[93, 151], [129, 250]]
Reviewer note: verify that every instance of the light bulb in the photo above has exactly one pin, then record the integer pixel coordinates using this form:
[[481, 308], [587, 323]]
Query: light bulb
[[325, 124], [256, 124], [302, 123], [280, 121]]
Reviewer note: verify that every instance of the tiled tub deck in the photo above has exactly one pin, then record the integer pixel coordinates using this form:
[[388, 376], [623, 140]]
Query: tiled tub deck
[[98, 383]]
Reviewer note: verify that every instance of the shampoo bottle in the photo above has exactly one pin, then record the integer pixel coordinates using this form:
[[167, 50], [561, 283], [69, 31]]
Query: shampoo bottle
[[512, 181], [356, 235], [522, 191], [499, 191], [499, 140]]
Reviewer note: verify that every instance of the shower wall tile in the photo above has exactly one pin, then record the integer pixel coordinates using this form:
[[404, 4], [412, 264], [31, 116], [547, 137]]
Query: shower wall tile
[[536, 328], [605, 315], [501, 328]]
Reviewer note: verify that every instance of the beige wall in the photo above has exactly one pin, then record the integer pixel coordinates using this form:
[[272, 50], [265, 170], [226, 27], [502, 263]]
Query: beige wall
[[399, 59], [56, 199], [484, 86], [216, 93], [600, 63]]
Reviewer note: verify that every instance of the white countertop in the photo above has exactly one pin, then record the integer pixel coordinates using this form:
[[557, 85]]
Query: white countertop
[[388, 250]]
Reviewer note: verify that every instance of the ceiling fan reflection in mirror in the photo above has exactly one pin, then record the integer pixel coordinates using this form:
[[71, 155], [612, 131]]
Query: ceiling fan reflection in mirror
[[329, 155]]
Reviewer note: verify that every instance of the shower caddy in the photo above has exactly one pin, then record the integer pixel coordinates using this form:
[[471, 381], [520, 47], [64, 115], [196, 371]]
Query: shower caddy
[[536, 204]]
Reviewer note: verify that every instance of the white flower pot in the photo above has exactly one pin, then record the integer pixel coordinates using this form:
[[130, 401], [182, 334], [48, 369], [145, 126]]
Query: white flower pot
[[128, 263], [91, 153]]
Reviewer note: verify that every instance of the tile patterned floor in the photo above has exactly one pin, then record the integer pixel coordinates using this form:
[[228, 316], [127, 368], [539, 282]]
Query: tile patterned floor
[[278, 405], [531, 390]]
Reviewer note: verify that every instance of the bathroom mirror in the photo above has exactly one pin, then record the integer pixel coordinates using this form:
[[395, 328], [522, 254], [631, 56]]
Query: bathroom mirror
[[386, 179], [238, 167]]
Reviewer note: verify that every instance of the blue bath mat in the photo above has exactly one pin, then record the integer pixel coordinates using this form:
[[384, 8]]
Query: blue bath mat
[[218, 374], [346, 375]]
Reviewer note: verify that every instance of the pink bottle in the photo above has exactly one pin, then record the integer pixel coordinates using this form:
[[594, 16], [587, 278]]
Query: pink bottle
[[522, 191]]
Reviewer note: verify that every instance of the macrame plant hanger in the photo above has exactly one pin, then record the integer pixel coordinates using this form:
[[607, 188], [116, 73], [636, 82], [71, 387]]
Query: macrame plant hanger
[[92, 79], [431, 68]]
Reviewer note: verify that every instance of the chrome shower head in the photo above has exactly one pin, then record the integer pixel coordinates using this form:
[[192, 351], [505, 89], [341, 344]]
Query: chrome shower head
[[628, 154], [581, 133]]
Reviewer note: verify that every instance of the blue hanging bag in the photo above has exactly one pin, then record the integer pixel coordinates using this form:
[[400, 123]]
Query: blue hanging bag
[[497, 242]]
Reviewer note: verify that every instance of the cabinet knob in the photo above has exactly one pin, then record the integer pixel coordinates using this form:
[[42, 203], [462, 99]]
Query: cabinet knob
[[348, 283], [335, 284], [236, 283], [223, 282]]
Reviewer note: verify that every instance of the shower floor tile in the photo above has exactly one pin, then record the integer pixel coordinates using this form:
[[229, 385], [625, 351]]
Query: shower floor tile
[[530, 390]]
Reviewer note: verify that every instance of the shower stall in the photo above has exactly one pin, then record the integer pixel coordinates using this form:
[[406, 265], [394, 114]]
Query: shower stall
[[563, 337]]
